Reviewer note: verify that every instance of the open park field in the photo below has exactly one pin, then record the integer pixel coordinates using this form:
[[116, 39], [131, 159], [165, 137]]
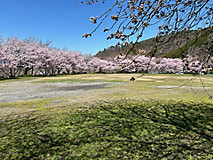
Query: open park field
[[106, 116]]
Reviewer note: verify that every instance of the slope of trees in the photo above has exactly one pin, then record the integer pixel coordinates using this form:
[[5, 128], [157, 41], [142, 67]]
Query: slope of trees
[[184, 43]]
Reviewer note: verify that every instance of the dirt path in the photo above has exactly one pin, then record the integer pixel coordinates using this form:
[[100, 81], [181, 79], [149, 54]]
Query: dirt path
[[26, 90]]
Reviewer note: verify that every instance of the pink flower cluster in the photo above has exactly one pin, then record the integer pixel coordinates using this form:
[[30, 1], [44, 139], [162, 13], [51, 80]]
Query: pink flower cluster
[[141, 63]]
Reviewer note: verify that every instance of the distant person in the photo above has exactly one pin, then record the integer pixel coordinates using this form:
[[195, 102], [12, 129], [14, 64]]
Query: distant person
[[132, 79]]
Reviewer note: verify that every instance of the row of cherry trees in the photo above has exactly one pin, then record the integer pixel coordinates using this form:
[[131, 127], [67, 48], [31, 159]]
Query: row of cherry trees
[[29, 57], [141, 63]]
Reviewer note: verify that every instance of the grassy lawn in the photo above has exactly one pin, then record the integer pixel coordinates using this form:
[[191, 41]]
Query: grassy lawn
[[155, 117]]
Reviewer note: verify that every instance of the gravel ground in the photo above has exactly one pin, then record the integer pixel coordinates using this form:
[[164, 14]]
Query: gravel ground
[[26, 90]]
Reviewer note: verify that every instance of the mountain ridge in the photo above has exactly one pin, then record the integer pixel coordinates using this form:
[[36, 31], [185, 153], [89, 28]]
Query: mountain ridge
[[178, 45]]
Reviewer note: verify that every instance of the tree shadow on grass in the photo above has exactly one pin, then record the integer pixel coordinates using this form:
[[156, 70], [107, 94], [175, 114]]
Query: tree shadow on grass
[[147, 130], [123, 129]]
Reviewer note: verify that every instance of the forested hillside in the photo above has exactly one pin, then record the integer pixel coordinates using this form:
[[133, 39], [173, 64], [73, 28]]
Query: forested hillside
[[190, 43]]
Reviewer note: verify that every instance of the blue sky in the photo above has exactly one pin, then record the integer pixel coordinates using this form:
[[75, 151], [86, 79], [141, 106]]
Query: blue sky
[[61, 21]]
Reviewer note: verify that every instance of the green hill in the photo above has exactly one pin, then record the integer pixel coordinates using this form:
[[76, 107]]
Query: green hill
[[175, 45]]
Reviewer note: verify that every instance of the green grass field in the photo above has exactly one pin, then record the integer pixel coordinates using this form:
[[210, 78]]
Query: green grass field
[[154, 117]]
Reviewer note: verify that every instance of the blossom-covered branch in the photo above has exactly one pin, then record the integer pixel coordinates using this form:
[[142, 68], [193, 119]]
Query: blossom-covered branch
[[134, 16]]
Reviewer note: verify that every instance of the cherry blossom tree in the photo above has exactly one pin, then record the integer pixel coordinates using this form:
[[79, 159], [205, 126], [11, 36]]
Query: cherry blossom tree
[[97, 65], [3, 72], [77, 62], [193, 65], [12, 58], [169, 65], [141, 63], [31, 57]]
